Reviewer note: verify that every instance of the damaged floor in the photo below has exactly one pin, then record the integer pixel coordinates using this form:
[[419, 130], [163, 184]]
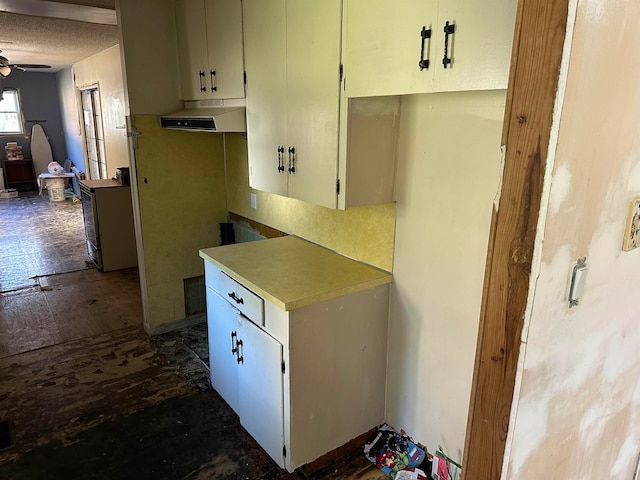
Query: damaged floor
[[83, 390]]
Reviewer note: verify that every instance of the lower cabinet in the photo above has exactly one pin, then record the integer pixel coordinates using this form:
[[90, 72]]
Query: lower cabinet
[[303, 382], [246, 370]]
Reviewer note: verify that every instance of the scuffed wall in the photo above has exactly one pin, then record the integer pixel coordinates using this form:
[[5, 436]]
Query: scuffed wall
[[577, 409], [448, 173]]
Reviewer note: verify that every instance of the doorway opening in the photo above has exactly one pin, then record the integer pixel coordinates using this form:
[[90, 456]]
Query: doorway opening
[[93, 133]]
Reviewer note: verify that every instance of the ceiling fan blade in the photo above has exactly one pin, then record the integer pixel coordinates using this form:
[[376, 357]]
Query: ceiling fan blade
[[22, 66]]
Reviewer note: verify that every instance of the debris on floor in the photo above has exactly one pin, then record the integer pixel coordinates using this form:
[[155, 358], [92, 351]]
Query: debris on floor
[[444, 468], [393, 453], [188, 349], [9, 193]]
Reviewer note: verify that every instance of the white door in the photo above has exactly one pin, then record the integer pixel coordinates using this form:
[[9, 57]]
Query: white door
[[383, 46], [222, 325], [192, 48], [480, 48], [261, 389], [313, 100], [225, 76], [265, 64]]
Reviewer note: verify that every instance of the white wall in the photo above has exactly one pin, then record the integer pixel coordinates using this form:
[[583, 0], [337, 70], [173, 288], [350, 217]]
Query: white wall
[[577, 410], [104, 70], [448, 173]]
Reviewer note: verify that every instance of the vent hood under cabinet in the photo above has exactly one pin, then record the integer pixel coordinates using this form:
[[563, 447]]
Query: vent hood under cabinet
[[208, 116]]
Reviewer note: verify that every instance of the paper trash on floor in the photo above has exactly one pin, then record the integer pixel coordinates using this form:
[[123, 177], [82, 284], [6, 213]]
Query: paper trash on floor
[[395, 454], [443, 468]]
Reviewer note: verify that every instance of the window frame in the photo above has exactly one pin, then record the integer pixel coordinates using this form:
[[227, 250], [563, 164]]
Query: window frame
[[20, 112]]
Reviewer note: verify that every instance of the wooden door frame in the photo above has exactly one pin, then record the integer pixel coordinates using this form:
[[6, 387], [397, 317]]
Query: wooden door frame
[[533, 81]]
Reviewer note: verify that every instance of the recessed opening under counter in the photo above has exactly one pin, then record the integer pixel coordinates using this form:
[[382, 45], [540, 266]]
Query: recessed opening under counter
[[298, 344]]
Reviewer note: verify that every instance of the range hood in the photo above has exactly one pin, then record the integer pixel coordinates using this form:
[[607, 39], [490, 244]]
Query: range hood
[[208, 116]]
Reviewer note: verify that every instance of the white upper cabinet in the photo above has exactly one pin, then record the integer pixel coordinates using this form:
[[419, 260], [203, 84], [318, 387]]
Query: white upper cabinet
[[480, 48], [393, 48], [292, 51], [265, 58], [301, 133], [210, 48], [383, 44]]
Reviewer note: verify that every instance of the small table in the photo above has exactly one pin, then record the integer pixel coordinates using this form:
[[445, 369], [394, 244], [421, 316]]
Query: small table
[[18, 172], [43, 177]]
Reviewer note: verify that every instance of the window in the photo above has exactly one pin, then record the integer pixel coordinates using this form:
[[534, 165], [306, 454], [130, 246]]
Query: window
[[10, 113]]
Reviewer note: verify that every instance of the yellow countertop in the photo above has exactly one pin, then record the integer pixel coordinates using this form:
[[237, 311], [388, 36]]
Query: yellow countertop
[[293, 273]]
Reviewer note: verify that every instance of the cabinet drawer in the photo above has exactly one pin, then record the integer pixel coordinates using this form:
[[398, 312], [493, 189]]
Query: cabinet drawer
[[250, 304]]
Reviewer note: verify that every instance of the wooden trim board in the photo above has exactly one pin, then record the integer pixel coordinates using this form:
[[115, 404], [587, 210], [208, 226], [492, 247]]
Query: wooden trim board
[[537, 53]]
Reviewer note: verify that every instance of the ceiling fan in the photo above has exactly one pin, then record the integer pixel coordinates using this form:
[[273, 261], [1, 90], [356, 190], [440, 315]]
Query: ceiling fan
[[6, 67]]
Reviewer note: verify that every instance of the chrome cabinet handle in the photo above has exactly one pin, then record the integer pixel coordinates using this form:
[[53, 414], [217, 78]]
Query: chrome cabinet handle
[[202, 87], [449, 29], [425, 34]]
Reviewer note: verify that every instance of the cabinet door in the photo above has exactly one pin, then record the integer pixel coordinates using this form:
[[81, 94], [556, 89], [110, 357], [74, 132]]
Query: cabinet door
[[222, 325], [265, 64], [480, 48], [192, 48], [313, 100], [224, 40], [261, 386], [383, 44]]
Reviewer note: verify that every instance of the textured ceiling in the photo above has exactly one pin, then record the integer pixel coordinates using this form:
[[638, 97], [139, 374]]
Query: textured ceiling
[[54, 41]]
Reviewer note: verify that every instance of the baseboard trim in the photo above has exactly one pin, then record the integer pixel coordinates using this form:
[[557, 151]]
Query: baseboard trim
[[176, 325]]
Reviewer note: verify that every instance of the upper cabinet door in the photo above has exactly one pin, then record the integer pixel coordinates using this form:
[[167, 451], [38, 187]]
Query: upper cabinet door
[[192, 48], [265, 63], [387, 53], [313, 98], [224, 40], [383, 46], [480, 48], [210, 48]]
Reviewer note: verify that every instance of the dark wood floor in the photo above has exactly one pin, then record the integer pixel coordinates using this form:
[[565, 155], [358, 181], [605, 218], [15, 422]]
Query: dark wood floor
[[85, 392]]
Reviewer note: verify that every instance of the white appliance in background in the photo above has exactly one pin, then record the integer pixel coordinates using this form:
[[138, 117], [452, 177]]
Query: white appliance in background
[[108, 224], [1, 179]]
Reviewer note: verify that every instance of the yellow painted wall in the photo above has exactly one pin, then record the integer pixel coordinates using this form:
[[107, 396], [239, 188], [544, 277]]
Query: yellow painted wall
[[182, 200], [363, 233], [104, 70]]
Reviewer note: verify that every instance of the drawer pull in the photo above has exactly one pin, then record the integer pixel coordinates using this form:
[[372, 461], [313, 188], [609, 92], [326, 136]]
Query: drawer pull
[[236, 298], [202, 87]]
